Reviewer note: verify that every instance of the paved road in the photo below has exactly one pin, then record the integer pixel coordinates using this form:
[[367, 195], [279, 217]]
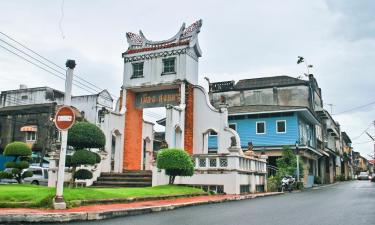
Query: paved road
[[347, 203]]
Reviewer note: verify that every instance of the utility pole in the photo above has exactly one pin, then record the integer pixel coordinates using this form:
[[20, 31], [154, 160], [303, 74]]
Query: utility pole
[[373, 139], [297, 151], [59, 202]]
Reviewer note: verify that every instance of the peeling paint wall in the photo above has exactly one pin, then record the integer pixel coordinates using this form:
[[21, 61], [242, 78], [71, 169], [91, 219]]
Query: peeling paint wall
[[282, 96]]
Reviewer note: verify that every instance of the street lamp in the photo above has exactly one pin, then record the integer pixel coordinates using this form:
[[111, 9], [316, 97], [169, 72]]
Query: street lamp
[[297, 160]]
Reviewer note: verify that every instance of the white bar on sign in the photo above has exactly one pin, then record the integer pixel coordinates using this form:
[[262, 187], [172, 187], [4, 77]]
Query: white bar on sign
[[64, 118]]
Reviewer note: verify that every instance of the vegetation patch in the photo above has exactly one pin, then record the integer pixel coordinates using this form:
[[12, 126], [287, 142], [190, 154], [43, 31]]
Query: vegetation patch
[[32, 196]]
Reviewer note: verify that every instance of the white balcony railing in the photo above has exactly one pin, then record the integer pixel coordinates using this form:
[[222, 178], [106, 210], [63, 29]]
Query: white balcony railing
[[230, 163]]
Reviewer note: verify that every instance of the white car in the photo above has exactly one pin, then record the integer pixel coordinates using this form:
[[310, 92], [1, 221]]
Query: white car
[[40, 176]]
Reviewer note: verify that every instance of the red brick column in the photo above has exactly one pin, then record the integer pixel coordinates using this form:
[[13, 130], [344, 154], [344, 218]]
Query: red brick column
[[133, 134], [189, 119]]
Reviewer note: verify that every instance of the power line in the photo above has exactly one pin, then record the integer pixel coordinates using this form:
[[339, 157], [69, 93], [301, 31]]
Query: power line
[[363, 132], [54, 74], [42, 62], [53, 63], [81, 86], [360, 143], [355, 108]]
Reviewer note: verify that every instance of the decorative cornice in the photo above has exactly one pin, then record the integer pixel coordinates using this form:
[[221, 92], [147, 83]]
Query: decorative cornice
[[155, 55]]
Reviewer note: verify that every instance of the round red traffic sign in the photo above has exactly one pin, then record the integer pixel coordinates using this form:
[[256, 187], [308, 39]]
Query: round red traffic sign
[[64, 118]]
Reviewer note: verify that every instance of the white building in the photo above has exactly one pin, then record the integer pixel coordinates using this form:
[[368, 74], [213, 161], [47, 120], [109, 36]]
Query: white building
[[165, 74]]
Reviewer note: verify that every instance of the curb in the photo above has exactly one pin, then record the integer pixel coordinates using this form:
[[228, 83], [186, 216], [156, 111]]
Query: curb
[[106, 214], [77, 203]]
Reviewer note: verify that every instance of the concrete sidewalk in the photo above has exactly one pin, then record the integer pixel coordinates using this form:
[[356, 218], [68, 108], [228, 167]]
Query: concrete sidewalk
[[98, 212]]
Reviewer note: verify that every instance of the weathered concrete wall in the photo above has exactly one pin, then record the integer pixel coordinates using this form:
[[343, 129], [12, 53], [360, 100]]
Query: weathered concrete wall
[[283, 96], [13, 118]]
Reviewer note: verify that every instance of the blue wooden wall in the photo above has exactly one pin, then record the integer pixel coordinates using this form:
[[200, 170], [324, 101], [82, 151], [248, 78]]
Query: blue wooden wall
[[246, 128]]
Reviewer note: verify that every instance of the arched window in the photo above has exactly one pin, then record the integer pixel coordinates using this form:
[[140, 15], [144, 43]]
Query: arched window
[[210, 138]]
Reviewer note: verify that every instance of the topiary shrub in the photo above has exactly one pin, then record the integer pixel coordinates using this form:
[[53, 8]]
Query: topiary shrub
[[98, 159], [68, 161], [18, 150], [5, 175], [79, 158], [176, 162], [82, 174], [83, 157], [82, 136], [86, 135]]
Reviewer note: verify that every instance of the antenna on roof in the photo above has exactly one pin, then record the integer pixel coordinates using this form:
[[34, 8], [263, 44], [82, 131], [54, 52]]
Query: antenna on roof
[[300, 60]]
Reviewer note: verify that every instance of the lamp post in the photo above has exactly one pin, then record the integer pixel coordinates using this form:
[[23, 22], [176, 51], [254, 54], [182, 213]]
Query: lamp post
[[297, 161]]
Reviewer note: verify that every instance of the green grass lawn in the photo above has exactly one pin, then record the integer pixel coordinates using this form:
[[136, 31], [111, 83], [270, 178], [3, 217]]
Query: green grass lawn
[[16, 195]]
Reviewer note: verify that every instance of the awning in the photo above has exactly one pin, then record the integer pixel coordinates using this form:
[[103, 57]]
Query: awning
[[29, 128]]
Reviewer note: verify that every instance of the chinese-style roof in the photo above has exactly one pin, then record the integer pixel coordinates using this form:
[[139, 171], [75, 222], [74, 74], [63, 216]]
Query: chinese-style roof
[[186, 36]]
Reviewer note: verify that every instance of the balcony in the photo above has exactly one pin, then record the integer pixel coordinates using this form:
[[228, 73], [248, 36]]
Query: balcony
[[243, 164]]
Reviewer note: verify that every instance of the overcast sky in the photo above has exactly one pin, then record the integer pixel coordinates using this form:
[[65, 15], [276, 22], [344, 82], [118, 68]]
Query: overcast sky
[[239, 39]]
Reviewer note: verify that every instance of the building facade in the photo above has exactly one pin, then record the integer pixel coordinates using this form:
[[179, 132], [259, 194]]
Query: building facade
[[272, 112]]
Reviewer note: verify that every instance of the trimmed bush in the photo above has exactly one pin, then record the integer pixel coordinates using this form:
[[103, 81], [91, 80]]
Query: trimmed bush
[[83, 157], [86, 135], [82, 174], [98, 159], [17, 149], [68, 161], [27, 174], [176, 162], [5, 175]]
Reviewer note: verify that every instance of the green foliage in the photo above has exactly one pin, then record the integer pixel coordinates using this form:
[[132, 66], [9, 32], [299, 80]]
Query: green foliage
[[31, 196], [10, 164], [27, 174], [86, 135], [17, 149], [299, 185], [82, 174], [317, 180], [83, 157], [287, 164], [340, 177], [273, 183], [98, 159], [68, 161], [176, 162], [5, 175]]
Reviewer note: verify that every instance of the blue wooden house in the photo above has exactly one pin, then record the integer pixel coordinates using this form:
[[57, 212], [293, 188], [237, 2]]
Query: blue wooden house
[[269, 113]]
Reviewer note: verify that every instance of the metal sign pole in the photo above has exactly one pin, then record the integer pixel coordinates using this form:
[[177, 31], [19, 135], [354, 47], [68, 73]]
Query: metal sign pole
[[59, 202]]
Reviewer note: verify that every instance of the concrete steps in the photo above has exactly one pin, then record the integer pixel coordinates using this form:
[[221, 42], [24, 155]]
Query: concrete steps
[[129, 178]]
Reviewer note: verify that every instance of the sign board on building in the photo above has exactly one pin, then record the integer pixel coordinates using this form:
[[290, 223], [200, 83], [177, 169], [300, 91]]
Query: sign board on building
[[64, 118], [161, 98]]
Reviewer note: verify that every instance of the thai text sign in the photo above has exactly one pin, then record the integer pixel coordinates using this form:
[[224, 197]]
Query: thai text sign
[[64, 118], [152, 99]]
